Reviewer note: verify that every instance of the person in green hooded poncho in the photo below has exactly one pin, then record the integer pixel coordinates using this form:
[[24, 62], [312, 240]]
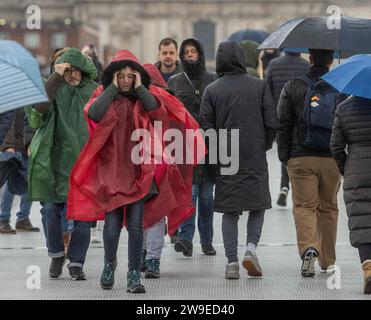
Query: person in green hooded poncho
[[61, 134], [251, 57]]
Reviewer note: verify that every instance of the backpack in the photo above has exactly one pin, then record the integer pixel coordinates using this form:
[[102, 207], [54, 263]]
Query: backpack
[[316, 117]]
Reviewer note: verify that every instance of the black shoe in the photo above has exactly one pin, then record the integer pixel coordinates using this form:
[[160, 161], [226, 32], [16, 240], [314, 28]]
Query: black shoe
[[175, 237], [107, 279], [208, 249], [184, 246], [282, 198], [309, 258], [77, 274], [133, 282], [56, 266], [153, 269]]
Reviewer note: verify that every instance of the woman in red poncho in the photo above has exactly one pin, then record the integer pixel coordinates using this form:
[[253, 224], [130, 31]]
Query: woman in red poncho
[[105, 183]]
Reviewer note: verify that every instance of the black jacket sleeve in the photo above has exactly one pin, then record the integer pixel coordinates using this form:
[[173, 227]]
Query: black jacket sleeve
[[101, 104], [287, 118], [51, 86], [270, 117], [6, 121], [149, 102], [207, 112], [338, 143]]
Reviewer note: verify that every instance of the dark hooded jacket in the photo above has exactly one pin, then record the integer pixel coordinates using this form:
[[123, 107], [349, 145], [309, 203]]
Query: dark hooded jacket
[[6, 120], [18, 137], [284, 69], [239, 101], [351, 148], [185, 92]]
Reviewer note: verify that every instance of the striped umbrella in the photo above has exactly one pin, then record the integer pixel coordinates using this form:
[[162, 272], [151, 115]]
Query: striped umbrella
[[20, 79]]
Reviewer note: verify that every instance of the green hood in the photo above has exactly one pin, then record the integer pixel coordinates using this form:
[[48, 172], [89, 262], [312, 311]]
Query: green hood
[[251, 53], [62, 134], [78, 60]]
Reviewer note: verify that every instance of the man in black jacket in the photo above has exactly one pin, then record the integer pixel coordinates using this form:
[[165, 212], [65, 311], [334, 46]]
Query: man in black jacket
[[314, 176], [188, 87], [281, 70], [15, 145]]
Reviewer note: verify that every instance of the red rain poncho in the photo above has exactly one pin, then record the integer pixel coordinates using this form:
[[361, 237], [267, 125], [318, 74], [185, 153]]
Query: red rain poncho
[[104, 176]]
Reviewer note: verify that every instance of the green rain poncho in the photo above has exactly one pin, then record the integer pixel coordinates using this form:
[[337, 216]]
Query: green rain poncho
[[251, 57], [61, 134]]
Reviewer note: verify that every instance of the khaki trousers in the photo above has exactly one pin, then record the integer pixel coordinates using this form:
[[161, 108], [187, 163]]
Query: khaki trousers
[[315, 183]]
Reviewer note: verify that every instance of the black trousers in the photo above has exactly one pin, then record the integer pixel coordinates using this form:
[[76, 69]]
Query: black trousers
[[364, 251]]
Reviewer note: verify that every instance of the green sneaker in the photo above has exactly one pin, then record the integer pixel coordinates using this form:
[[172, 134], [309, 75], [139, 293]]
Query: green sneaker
[[107, 279], [153, 269], [133, 282]]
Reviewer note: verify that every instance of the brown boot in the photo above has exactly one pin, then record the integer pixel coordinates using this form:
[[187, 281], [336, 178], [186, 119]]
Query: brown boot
[[66, 241], [366, 266], [6, 228], [25, 225]]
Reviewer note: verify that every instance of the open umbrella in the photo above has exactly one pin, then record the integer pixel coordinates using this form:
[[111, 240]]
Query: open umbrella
[[299, 34], [249, 34], [20, 80], [352, 77]]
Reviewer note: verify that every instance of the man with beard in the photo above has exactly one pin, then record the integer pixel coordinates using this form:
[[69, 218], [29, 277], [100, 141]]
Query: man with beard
[[188, 87], [167, 56], [61, 134]]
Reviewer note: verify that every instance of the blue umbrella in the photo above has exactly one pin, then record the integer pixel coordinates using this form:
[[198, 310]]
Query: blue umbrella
[[352, 77], [20, 80], [249, 34]]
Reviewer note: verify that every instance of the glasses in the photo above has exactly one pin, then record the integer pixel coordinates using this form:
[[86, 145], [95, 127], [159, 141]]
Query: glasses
[[70, 71]]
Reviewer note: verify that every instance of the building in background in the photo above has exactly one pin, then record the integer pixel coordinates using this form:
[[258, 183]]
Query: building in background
[[139, 25]]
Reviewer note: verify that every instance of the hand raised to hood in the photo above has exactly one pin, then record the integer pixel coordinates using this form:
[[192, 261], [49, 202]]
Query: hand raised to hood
[[60, 68], [114, 79], [138, 79]]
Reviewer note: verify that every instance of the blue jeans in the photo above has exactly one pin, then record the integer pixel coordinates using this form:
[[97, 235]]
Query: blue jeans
[[7, 204], [53, 214], [66, 225], [204, 196], [112, 229]]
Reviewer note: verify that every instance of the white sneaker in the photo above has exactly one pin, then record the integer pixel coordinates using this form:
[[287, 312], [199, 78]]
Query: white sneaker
[[100, 225], [232, 270], [328, 270], [93, 236]]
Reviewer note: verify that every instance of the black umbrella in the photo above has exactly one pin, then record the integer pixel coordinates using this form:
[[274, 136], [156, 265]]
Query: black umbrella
[[249, 34], [300, 34]]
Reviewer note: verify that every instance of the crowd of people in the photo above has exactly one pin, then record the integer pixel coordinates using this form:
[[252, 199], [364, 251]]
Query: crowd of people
[[77, 149]]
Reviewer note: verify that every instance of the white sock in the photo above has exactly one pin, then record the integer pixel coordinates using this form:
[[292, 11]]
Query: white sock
[[251, 247]]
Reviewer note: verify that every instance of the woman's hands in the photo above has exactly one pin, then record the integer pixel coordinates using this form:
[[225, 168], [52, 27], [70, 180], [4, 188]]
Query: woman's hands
[[137, 79]]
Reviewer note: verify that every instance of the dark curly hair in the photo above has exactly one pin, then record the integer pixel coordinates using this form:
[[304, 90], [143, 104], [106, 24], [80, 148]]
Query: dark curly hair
[[118, 65]]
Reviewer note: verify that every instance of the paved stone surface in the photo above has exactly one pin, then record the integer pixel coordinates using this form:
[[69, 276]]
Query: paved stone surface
[[199, 277]]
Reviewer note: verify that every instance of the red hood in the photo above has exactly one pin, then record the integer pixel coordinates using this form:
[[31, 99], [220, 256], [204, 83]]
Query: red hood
[[125, 55], [120, 60], [155, 74]]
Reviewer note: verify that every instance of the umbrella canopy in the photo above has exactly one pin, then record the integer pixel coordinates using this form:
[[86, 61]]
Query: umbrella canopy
[[299, 34], [20, 80], [352, 77], [249, 34]]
